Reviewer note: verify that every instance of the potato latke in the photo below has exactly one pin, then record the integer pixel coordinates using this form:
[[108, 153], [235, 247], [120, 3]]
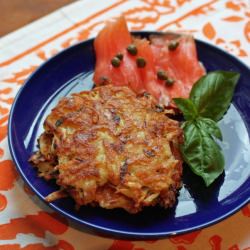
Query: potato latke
[[111, 148]]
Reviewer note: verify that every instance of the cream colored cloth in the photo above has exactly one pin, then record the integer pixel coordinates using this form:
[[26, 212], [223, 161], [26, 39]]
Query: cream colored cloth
[[25, 222]]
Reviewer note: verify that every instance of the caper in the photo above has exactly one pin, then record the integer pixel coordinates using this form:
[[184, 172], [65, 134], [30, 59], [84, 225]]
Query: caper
[[169, 82], [173, 45], [115, 62], [162, 75], [119, 56], [141, 63], [132, 50]]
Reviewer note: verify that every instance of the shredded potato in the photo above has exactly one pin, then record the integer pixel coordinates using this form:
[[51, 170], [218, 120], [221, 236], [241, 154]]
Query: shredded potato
[[111, 148]]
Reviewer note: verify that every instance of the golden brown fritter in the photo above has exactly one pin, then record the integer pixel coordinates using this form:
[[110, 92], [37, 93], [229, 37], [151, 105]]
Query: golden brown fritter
[[111, 148]]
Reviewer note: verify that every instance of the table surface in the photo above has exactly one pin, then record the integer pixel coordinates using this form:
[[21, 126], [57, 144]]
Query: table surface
[[25, 222], [15, 14]]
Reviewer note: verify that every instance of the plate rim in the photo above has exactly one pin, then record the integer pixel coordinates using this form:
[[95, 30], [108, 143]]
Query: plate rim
[[105, 230]]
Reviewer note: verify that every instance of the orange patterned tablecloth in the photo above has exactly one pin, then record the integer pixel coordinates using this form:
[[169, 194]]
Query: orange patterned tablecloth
[[26, 223]]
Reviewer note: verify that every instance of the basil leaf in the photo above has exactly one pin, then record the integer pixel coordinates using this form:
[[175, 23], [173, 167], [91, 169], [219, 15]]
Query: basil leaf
[[212, 93], [187, 107], [210, 127], [201, 153]]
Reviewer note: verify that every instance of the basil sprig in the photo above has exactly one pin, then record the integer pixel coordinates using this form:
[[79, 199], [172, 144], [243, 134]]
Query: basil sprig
[[208, 101]]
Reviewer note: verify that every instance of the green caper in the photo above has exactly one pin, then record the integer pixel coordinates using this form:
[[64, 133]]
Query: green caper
[[162, 75], [119, 56], [115, 62], [173, 45], [141, 63], [132, 50], [169, 82]]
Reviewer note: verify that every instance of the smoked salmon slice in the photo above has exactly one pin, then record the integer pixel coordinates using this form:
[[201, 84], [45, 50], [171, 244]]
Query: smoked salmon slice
[[114, 38], [180, 64]]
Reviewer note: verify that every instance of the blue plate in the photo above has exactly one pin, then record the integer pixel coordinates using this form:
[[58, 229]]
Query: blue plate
[[197, 207]]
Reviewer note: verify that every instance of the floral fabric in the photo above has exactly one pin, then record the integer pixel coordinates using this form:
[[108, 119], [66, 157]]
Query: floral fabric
[[28, 224]]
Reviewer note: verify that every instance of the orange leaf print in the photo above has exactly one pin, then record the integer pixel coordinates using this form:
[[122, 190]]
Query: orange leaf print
[[3, 132], [234, 247], [5, 91], [67, 43], [41, 54], [209, 31], [215, 242], [236, 43], [34, 224], [233, 19], [242, 53], [246, 211], [3, 111], [8, 100], [8, 175], [232, 5], [3, 202], [1, 152], [181, 2], [4, 119], [220, 41], [62, 245], [247, 31], [20, 76], [83, 34], [185, 238], [121, 245]]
